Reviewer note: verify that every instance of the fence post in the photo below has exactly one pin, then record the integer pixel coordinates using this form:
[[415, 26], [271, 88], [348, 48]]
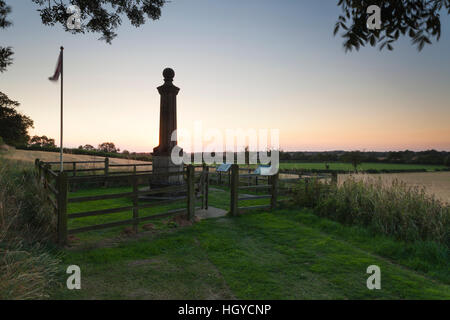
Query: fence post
[[190, 192], [74, 169], [203, 184], [306, 186], [106, 171], [62, 208], [37, 164], [234, 189], [273, 199], [207, 188], [334, 178], [39, 171], [46, 174], [135, 202]]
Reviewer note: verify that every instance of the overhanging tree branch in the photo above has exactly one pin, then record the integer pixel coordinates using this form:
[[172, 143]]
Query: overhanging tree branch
[[418, 20]]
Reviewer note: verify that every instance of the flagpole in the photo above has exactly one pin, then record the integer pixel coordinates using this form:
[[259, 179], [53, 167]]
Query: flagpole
[[62, 112]]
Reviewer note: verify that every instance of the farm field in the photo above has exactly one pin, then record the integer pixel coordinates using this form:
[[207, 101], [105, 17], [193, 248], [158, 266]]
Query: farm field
[[30, 156], [363, 166], [284, 254], [436, 183]]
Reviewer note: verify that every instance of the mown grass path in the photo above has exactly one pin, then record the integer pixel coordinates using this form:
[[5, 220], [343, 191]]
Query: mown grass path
[[259, 255]]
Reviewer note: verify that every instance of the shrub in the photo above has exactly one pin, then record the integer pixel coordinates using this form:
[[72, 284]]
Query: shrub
[[407, 213], [1, 141], [27, 224]]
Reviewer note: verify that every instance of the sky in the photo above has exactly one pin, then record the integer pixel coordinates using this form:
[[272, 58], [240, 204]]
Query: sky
[[258, 64]]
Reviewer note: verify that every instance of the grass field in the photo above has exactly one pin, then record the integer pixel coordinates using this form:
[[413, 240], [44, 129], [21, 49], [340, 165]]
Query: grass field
[[218, 198], [285, 254]]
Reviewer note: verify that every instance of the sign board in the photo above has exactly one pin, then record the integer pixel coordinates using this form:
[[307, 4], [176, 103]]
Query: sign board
[[263, 170], [223, 167]]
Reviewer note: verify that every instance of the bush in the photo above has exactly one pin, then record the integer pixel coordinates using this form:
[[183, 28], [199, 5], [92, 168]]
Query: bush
[[27, 224], [1, 141], [407, 213]]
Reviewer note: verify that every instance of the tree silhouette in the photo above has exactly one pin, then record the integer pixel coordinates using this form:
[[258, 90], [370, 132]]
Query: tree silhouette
[[417, 19], [13, 125], [5, 52], [103, 16], [87, 147], [43, 142], [108, 147], [353, 157]]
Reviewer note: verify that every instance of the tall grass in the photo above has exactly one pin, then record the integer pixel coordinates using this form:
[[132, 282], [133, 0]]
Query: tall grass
[[395, 209], [27, 224]]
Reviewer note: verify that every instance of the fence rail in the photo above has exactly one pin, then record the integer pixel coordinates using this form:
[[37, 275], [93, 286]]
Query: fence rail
[[196, 187], [57, 185]]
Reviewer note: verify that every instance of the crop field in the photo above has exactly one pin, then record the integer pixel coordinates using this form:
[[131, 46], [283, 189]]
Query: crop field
[[435, 183], [30, 156]]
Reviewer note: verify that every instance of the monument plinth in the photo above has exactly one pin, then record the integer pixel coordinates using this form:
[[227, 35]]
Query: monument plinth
[[162, 162]]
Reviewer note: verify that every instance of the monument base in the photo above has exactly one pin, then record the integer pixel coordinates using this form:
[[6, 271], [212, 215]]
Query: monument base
[[162, 165]]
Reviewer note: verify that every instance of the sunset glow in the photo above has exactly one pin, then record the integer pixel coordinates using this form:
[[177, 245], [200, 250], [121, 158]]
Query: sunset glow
[[281, 69]]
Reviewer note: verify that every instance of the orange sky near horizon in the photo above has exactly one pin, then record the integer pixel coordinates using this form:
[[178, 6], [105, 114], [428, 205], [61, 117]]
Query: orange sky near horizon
[[282, 69]]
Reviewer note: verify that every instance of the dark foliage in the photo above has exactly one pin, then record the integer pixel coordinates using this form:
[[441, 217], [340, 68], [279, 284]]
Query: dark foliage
[[5, 52], [108, 147], [433, 157], [418, 20], [13, 125], [103, 16], [43, 141], [87, 147], [353, 157]]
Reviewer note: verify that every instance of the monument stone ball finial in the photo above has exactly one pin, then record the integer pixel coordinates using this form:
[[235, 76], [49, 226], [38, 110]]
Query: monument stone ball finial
[[168, 74]]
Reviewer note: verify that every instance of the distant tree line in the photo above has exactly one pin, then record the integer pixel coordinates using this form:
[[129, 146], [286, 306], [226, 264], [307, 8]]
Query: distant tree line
[[105, 149], [433, 157]]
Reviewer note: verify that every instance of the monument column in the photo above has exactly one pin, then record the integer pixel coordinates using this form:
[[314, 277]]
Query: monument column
[[162, 162]]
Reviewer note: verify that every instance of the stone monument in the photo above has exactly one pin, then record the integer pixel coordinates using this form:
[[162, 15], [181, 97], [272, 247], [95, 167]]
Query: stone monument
[[162, 162]]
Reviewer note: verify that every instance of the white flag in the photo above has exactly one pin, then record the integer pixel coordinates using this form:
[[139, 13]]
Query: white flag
[[58, 69]]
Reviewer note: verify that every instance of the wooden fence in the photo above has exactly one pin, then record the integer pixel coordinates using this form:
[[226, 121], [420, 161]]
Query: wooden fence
[[196, 187], [241, 182], [224, 178], [57, 185]]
